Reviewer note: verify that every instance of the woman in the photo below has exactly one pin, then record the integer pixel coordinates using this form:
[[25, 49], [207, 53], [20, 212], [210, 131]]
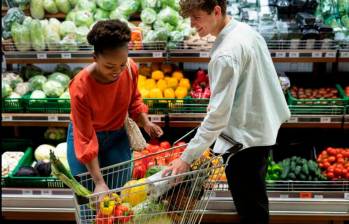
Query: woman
[[101, 96]]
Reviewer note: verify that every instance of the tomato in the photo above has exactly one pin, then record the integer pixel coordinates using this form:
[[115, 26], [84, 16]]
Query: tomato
[[154, 141], [326, 165], [331, 159], [165, 145], [122, 214], [346, 153], [324, 153], [340, 161], [339, 155], [101, 219], [347, 175], [321, 165], [338, 171], [330, 169], [330, 175], [344, 172], [325, 160], [331, 151], [161, 161], [139, 171], [180, 149]]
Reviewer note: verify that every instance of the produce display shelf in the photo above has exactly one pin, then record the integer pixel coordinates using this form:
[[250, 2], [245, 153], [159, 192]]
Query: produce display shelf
[[54, 120], [343, 55], [312, 200]]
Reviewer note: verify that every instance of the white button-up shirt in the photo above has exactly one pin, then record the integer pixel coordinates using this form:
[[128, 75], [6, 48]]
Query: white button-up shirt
[[247, 102]]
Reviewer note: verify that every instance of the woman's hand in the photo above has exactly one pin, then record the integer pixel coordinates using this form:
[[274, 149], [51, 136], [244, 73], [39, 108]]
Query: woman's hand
[[153, 130], [100, 187]]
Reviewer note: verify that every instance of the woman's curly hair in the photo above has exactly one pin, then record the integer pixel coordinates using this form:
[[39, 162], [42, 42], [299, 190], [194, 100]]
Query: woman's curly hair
[[109, 34]]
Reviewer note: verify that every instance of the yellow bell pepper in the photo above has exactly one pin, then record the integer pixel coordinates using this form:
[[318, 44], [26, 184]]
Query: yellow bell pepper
[[107, 206]]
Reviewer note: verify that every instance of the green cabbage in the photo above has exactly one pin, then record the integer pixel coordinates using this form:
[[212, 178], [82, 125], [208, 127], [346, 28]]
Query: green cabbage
[[27, 21], [345, 21], [101, 15], [50, 6], [88, 5], [145, 28], [61, 78], [108, 5], [37, 35], [154, 4], [37, 94], [71, 16], [23, 88], [37, 82], [54, 24], [53, 89], [156, 35], [117, 14], [65, 95], [159, 24], [129, 7], [171, 3], [169, 15], [73, 2], [176, 36], [63, 6], [37, 10], [12, 78], [81, 35], [69, 42], [83, 18], [6, 89], [148, 16], [67, 27], [21, 37], [52, 39]]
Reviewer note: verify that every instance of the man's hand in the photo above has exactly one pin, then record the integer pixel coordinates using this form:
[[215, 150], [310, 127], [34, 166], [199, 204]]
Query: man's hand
[[101, 187], [176, 167], [153, 130]]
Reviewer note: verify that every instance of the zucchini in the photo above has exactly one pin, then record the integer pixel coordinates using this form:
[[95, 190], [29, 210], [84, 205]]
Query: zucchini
[[312, 166], [291, 176], [285, 171], [293, 166], [302, 177]]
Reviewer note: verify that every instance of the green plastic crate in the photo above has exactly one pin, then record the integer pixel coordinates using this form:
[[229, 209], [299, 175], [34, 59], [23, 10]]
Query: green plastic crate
[[342, 101], [11, 105], [39, 182], [13, 145], [171, 105], [47, 105]]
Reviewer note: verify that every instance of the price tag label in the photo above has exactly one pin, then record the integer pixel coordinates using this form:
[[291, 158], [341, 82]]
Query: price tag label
[[155, 119], [325, 120], [46, 192], [41, 56], [284, 196], [294, 55], [344, 55], [280, 55], [305, 195], [66, 55], [346, 196], [204, 55], [316, 55], [6, 118], [293, 120], [157, 55], [52, 118], [318, 196], [27, 192], [330, 54]]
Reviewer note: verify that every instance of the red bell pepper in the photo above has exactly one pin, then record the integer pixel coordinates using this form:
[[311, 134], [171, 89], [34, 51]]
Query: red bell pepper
[[122, 214]]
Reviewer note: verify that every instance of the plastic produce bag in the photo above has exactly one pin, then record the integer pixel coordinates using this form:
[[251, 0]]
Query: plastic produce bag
[[148, 16], [53, 89], [81, 34], [69, 43], [61, 78], [54, 24], [50, 6], [21, 37], [63, 6], [52, 39], [37, 35], [37, 10]]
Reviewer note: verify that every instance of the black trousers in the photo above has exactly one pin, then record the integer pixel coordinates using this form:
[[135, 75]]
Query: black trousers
[[245, 173]]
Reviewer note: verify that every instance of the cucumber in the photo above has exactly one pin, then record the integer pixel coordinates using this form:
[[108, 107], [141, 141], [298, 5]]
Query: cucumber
[[305, 169], [293, 166], [285, 171], [312, 166], [302, 177], [291, 176], [297, 170]]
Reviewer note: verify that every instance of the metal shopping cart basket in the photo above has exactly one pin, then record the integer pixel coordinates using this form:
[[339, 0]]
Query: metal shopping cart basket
[[156, 199]]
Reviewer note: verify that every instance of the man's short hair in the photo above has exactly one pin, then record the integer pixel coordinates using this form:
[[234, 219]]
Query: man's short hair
[[187, 6]]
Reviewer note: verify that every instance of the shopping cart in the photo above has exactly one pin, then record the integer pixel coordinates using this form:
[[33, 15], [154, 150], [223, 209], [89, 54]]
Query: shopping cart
[[156, 199]]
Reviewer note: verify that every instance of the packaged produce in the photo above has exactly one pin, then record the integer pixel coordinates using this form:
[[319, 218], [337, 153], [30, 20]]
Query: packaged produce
[[9, 161]]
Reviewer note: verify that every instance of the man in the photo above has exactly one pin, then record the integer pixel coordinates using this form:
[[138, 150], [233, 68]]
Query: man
[[247, 104]]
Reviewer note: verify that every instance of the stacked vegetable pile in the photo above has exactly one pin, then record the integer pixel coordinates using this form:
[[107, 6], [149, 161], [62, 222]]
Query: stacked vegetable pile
[[297, 168], [335, 163], [163, 82]]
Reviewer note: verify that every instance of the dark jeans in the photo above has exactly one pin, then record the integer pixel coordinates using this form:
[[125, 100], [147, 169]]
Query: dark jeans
[[245, 173]]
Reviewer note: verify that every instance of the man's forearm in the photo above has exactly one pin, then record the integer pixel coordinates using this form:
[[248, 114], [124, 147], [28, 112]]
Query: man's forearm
[[94, 169]]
